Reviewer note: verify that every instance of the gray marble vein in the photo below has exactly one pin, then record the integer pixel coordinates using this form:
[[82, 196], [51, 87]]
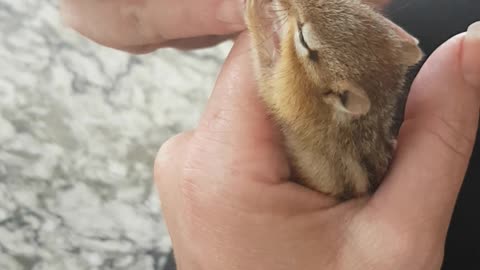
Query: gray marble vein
[[79, 128]]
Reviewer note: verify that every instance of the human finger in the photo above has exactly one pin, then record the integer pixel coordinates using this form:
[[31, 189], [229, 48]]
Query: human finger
[[436, 139], [127, 24]]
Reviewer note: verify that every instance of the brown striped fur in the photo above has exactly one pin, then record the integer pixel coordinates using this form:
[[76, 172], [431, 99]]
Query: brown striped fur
[[335, 101]]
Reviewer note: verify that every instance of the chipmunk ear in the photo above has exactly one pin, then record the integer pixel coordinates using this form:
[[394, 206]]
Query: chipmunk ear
[[348, 98], [412, 54]]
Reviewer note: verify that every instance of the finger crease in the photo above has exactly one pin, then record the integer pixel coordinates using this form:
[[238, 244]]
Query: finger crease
[[458, 142]]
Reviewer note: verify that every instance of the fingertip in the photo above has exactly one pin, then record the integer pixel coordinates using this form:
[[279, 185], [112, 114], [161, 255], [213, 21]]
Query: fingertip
[[471, 56]]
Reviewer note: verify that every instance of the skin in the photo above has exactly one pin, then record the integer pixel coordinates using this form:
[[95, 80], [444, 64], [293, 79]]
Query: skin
[[223, 185], [225, 192], [137, 26]]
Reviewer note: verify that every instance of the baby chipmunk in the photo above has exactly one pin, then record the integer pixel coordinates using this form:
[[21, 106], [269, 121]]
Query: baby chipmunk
[[331, 73]]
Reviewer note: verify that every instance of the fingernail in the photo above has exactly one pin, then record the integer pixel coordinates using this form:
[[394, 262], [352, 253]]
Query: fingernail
[[232, 12], [471, 55]]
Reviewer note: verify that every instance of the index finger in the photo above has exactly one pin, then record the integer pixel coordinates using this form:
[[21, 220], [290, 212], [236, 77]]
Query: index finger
[[132, 23]]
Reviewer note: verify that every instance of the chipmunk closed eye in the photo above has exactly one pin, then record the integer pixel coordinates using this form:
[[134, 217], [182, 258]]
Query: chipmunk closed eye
[[302, 45], [332, 87]]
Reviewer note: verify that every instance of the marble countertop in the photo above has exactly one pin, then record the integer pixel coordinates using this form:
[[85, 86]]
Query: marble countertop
[[79, 128]]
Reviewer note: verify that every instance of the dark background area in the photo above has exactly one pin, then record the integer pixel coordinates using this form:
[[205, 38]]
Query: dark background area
[[433, 22]]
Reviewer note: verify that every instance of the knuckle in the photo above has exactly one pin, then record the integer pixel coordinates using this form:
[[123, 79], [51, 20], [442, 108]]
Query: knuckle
[[170, 146], [169, 152]]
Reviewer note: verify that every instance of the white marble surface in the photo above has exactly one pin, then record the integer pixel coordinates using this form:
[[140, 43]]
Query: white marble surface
[[79, 128]]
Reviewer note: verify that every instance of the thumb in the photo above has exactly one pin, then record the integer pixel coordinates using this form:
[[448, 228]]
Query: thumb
[[436, 139]]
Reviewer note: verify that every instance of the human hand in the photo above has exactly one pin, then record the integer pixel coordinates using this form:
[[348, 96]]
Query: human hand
[[228, 204], [144, 26]]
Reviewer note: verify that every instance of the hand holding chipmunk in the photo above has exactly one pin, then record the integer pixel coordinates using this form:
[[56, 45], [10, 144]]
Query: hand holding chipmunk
[[224, 188], [229, 205]]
